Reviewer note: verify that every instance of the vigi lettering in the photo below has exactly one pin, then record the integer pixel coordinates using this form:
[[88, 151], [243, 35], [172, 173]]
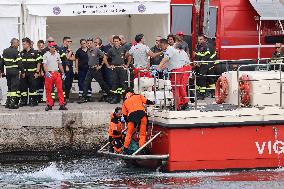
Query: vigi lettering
[[277, 147]]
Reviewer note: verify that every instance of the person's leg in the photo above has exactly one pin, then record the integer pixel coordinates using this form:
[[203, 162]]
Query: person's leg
[[143, 128], [81, 79], [8, 101], [202, 80], [58, 84], [129, 134], [68, 82], [32, 89], [24, 91], [87, 82], [175, 89], [48, 84], [15, 91], [122, 78], [115, 84], [40, 89], [99, 78]]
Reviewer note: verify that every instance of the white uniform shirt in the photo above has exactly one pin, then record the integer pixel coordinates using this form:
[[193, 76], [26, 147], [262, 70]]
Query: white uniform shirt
[[176, 59], [140, 55], [184, 57], [51, 61]]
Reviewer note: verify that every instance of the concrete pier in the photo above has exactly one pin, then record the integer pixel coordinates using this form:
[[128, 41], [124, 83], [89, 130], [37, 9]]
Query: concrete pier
[[31, 129]]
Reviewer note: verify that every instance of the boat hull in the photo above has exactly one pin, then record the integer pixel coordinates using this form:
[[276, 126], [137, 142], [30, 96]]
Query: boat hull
[[220, 147]]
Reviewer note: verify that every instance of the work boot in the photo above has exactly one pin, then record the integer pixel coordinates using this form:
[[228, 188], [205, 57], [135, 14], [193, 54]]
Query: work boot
[[47, 108], [33, 101], [82, 100], [184, 106], [8, 102], [114, 100], [39, 99], [63, 107], [201, 96], [24, 101], [14, 103]]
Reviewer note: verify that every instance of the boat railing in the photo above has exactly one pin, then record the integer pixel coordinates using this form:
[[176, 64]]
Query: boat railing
[[191, 85], [262, 67]]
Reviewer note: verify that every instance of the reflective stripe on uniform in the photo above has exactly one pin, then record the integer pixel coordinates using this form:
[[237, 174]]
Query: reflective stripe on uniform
[[14, 94], [202, 53], [24, 94], [13, 66], [213, 55], [212, 86], [31, 70], [33, 94]]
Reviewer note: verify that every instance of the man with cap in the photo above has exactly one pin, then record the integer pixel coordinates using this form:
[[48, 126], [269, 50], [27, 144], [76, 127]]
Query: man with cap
[[54, 74], [184, 45]]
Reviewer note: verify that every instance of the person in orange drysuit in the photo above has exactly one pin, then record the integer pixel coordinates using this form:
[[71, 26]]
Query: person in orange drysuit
[[115, 131], [134, 113]]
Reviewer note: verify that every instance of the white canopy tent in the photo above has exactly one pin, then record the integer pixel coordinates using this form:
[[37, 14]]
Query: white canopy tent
[[10, 14], [269, 9], [92, 18]]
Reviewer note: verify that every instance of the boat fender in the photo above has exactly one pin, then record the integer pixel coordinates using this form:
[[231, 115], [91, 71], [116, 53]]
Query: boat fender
[[244, 85], [222, 89]]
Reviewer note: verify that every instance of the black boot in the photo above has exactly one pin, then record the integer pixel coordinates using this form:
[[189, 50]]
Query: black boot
[[24, 101], [47, 108], [82, 100], [201, 96], [8, 102], [63, 107], [114, 100], [33, 101], [14, 103]]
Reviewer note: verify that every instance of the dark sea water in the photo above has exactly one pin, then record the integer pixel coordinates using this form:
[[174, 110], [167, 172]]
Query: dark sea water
[[100, 172]]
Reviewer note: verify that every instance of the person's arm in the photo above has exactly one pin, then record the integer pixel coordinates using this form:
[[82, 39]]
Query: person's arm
[[153, 55], [163, 62], [44, 62], [105, 60], [70, 55]]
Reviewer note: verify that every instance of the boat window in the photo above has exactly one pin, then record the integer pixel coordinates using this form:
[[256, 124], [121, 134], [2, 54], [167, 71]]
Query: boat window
[[181, 18]]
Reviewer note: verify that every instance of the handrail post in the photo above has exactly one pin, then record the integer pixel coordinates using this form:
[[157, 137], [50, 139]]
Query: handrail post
[[139, 77], [165, 99], [195, 92], [239, 91], [175, 92], [280, 70], [128, 73], [155, 87]]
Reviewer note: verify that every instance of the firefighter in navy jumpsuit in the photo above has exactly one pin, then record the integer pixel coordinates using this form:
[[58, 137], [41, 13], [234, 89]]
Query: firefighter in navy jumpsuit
[[31, 60], [13, 64], [202, 55]]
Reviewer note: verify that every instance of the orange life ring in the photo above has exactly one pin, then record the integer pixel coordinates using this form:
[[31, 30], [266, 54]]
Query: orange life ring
[[244, 89], [222, 89]]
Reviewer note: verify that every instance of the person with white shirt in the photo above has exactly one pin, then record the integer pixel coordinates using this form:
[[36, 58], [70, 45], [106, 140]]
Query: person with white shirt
[[174, 61], [140, 54]]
